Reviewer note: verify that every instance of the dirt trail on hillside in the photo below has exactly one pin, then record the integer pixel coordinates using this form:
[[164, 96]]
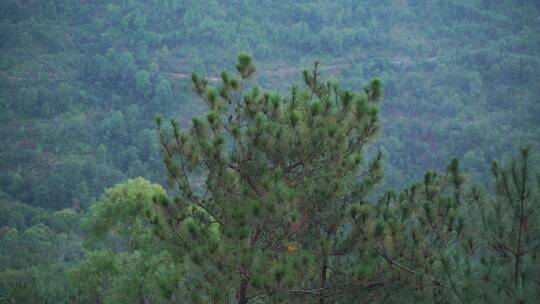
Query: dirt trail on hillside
[[271, 73]]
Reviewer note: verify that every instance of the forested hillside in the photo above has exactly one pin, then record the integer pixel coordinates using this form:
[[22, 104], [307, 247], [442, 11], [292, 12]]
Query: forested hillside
[[81, 83]]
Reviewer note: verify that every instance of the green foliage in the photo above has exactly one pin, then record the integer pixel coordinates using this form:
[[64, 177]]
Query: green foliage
[[511, 230], [139, 267], [81, 80], [450, 241], [36, 247], [460, 79], [274, 178], [283, 185], [93, 276], [15, 215], [122, 211]]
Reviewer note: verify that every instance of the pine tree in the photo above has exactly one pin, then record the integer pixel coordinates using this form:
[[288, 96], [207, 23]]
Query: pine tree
[[264, 184], [447, 241], [510, 220], [425, 240]]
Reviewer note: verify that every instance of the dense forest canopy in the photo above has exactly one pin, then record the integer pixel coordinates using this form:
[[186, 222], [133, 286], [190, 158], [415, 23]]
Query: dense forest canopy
[[81, 83]]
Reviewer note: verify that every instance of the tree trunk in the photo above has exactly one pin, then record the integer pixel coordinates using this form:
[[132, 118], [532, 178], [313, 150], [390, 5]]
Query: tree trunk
[[242, 293], [323, 280]]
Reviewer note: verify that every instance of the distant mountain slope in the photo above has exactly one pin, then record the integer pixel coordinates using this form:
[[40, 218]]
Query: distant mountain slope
[[81, 80]]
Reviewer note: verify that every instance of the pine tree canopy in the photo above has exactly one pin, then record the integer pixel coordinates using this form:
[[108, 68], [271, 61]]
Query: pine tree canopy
[[278, 175], [272, 204]]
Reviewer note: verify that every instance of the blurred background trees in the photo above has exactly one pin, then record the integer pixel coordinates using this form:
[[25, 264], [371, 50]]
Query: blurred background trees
[[461, 79]]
